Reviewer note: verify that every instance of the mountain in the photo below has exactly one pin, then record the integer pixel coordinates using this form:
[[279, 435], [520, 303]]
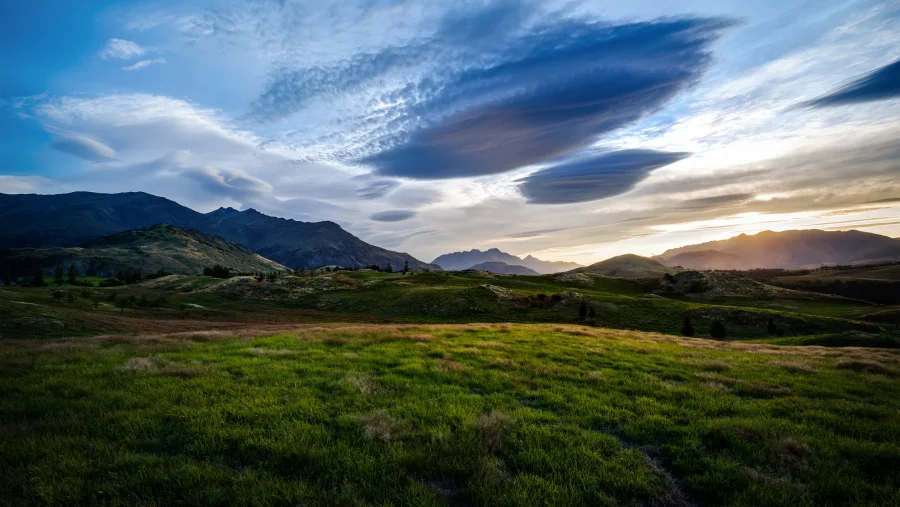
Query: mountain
[[627, 266], [150, 249], [458, 261], [793, 249], [504, 268], [705, 260], [68, 220]]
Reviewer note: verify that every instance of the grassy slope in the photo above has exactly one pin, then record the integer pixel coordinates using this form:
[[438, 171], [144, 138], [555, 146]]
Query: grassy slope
[[423, 298], [434, 415]]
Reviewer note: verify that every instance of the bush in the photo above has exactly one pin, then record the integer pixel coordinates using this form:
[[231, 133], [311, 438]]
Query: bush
[[687, 329], [771, 328], [217, 271], [717, 330]]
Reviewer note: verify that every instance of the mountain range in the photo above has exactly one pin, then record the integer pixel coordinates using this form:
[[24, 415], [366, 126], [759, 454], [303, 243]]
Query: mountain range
[[69, 220], [504, 268], [786, 250], [148, 250], [458, 261]]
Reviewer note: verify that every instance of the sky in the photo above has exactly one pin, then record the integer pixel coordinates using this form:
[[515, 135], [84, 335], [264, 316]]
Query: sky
[[569, 130]]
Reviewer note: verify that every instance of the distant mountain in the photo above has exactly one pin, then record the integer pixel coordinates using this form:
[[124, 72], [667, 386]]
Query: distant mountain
[[464, 260], [627, 266], [705, 260], [150, 249], [68, 220], [504, 268], [790, 249]]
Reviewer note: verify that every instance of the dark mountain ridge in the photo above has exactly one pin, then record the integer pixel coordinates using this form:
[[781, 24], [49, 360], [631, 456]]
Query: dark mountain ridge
[[458, 261], [787, 250], [68, 220]]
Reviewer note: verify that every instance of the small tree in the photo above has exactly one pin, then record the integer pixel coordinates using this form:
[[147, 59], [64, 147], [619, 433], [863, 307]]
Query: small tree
[[57, 295], [389, 268], [272, 277], [771, 328], [72, 274], [592, 314], [687, 329], [582, 311], [405, 267], [58, 275], [717, 330]]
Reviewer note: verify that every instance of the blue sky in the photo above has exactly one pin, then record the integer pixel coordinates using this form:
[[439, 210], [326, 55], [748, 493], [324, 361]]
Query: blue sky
[[566, 130]]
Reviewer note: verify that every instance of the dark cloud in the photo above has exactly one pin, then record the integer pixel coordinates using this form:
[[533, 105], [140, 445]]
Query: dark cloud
[[228, 182], [377, 189], [83, 147], [880, 84], [534, 234], [398, 215], [716, 201], [595, 177], [556, 90]]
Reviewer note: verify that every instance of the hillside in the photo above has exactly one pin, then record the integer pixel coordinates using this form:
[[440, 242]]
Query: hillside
[[794, 249], [704, 260], [148, 250], [68, 220], [458, 261], [721, 286], [627, 266], [504, 268]]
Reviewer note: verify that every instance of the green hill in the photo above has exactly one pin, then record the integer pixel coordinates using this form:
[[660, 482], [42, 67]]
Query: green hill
[[627, 266], [148, 250]]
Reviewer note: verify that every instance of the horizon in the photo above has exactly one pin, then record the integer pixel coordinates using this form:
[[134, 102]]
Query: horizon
[[426, 128]]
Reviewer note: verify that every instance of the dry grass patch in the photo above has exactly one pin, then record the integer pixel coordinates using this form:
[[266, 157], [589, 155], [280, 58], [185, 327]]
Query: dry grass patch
[[382, 427], [865, 365], [362, 383], [256, 351], [795, 366], [159, 365], [493, 427], [490, 344]]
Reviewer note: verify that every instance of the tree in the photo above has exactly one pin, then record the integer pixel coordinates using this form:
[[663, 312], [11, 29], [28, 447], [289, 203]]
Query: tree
[[687, 329], [582, 311], [121, 303], [272, 277], [217, 271], [717, 330], [57, 295], [771, 328], [592, 314], [72, 274], [58, 275], [389, 268], [405, 267]]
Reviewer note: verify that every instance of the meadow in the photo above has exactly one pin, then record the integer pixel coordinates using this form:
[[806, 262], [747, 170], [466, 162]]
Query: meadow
[[478, 414]]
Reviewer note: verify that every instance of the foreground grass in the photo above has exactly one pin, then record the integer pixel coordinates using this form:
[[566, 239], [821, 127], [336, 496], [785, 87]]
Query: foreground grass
[[436, 415]]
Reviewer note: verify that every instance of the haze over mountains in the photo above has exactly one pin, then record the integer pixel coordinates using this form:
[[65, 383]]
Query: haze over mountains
[[68, 220], [148, 250], [786, 250], [457, 261]]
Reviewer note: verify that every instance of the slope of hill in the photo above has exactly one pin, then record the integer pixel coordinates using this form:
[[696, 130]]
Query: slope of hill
[[504, 268], [797, 249], [704, 260], [627, 266], [458, 261], [718, 286], [68, 220], [158, 247]]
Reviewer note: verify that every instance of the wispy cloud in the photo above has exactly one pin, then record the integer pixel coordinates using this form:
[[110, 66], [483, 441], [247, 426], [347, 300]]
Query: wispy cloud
[[392, 215], [143, 64], [83, 147], [880, 84], [121, 49]]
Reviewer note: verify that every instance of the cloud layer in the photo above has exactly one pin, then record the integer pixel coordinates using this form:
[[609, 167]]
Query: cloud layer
[[880, 84], [596, 177], [558, 89]]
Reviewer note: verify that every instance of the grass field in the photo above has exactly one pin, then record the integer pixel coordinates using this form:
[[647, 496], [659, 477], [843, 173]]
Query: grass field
[[482, 414]]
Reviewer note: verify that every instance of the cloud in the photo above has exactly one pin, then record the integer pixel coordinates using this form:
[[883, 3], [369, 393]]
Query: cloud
[[120, 49], [377, 189], [143, 64], [83, 147], [393, 215], [229, 182], [880, 84], [26, 184], [556, 90], [595, 177], [716, 201]]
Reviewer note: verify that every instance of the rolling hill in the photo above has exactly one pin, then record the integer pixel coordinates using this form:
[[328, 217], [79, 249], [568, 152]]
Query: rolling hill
[[787, 250], [150, 249], [504, 268], [68, 220], [458, 261], [627, 266]]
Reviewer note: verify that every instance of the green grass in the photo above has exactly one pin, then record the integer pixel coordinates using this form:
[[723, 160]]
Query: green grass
[[499, 414]]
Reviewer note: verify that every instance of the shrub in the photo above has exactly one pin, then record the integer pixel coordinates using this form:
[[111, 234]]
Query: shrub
[[771, 328], [717, 330], [687, 329]]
